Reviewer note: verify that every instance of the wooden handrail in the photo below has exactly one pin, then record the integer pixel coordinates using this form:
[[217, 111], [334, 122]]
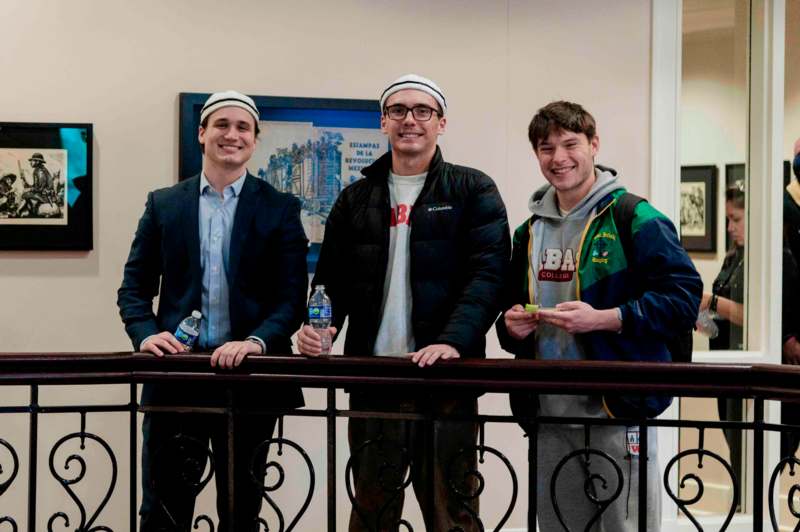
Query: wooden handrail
[[768, 381]]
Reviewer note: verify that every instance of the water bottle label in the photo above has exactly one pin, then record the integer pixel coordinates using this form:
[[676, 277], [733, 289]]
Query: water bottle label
[[184, 337], [319, 312]]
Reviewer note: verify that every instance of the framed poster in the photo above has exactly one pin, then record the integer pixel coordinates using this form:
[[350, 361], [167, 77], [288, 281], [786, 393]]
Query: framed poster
[[45, 186], [699, 208], [311, 147], [734, 172]]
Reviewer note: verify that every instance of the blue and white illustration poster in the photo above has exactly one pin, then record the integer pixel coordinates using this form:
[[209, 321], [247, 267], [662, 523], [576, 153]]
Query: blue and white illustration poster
[[314, 163]]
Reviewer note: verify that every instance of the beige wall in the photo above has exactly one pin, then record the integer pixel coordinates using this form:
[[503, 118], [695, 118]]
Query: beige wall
[[792, 73], [713, 127], [120, 65]]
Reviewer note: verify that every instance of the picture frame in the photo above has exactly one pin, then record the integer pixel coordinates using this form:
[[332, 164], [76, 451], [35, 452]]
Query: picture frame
[[46, 183], [310, 147], [736, 171], [698, 208]]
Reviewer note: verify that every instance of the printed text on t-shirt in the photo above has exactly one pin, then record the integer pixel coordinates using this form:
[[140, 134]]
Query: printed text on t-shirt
[[401, 215]]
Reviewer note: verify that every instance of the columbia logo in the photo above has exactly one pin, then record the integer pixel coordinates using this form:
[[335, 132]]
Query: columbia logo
[[436, 208]]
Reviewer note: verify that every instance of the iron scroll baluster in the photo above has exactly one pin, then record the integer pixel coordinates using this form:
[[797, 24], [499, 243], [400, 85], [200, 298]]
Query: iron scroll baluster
[[393, 478], [259, 473], [683, 504], [75, 459], [794, 492], [4, 485], [591, 483], [463, 491], [195, 454]]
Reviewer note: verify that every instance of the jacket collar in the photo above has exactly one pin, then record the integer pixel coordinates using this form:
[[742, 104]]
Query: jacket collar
[[380, 168], [191, 222], [246, 209]]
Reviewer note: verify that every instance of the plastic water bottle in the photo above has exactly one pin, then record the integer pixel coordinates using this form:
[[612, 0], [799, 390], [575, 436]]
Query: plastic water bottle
[[319, 316], [189, 329], [706, 324]]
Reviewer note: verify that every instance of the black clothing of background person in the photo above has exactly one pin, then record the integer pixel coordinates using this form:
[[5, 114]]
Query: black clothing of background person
[[729, 284]]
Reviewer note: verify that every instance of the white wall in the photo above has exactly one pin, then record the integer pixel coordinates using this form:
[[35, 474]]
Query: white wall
[[713, 120], [120, 65], [792, 74]]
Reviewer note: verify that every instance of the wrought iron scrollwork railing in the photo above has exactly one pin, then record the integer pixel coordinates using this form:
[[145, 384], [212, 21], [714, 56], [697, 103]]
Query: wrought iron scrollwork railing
[[261, 475], [684, 503], [8, 479], [77, 455], [68, 481]]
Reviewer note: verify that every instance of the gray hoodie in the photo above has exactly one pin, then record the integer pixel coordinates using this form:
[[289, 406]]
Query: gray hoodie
[[554, 255]]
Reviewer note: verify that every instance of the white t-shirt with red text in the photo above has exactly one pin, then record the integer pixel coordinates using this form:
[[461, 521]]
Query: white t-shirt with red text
[[396, 334]]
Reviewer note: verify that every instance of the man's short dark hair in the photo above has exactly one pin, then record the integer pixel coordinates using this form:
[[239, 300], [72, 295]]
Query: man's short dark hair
[[560, 116]]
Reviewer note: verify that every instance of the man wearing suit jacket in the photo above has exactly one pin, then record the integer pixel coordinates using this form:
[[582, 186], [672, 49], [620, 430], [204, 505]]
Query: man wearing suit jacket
[[233, 247]]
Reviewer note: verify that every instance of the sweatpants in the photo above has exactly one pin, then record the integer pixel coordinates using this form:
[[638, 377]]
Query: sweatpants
[[576, 508]]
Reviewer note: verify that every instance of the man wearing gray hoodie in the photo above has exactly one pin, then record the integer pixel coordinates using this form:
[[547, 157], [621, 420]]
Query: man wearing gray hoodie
[[597, 301]]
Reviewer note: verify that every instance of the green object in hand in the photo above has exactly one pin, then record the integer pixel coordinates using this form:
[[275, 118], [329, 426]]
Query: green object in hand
[[531, 308]]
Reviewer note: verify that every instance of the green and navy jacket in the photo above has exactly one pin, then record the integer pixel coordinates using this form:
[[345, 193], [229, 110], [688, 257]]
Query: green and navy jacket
[[656, 287]]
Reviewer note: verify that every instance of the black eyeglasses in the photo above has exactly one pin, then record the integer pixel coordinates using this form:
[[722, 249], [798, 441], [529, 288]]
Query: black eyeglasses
[[423, 113]]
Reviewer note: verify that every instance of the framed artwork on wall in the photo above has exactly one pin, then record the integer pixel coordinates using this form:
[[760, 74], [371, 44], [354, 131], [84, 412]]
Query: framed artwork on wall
[[310, 147], [698, 207], [734, 172], [45, 186]]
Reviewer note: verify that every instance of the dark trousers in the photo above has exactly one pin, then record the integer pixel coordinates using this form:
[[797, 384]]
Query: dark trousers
[[174, 456], [440, 455]]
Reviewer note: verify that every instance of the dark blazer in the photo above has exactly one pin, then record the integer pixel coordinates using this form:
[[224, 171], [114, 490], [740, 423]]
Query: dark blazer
[[266, 276]]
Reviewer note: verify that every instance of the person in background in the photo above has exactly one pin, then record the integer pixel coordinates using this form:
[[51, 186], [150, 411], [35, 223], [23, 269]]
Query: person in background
[[791, 206], [790, 412], [725, 303]]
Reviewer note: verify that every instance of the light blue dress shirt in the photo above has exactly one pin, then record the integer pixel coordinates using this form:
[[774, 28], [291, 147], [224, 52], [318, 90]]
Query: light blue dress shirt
[[216, 224]]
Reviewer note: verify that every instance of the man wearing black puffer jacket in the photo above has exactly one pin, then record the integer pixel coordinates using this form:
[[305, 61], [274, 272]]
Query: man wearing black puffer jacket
[[415, 255]]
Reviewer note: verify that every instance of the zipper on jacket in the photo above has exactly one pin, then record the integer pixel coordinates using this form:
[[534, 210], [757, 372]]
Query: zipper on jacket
[[580, 248], [531, 280], [426, 187]]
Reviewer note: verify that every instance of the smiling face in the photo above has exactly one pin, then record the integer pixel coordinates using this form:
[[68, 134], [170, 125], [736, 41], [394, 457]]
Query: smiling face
[[735, 219], [228, 140], [566, 159], [411, 138]]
